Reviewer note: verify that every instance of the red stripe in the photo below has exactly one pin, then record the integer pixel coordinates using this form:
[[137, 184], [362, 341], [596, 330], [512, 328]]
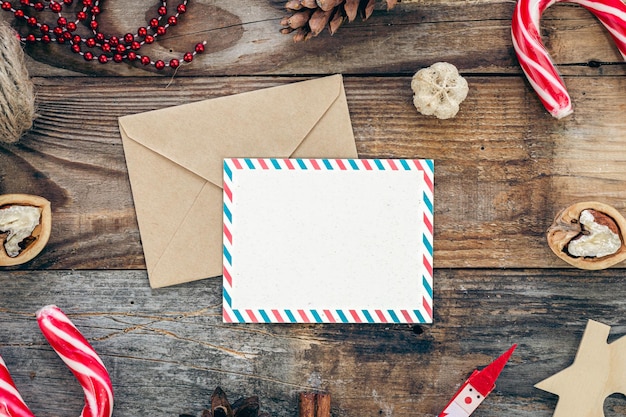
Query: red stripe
[[428, 182], [428, 224], [278, 317], [236, 163], [288, 163], [418, 164], [427, 307], [227, 318], [392, 164], [228, 278], [252, 316], [262, 163], [314, 163], [367, 165], [229, 193], [428, 266], [329, 316], [228, 235], [407, 316], [303, 316], [381, 316], [355, 316], [340, 164]]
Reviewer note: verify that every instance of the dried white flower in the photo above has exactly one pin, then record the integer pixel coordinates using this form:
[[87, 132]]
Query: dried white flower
[[439, 89]]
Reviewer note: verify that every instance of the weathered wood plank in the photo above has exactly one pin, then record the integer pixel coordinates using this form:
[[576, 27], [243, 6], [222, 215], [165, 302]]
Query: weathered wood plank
[[243, 39], [504, 167], [167, 349]]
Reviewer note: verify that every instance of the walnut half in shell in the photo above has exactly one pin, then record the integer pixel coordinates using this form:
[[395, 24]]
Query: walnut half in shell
[[25, 224], [589, 235]]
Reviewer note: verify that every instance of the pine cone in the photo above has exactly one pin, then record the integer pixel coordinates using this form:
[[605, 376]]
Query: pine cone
[[310, 17]]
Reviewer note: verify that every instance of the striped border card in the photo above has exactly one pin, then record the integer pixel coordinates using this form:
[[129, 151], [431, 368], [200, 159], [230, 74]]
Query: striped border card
[[328, 240]]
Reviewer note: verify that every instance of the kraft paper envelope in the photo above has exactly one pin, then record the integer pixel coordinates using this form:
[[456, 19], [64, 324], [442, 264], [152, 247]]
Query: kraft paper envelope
[[175, 159], [328, 240]]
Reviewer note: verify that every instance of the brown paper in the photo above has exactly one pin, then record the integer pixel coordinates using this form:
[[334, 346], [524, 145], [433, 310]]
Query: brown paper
[[175, 168]]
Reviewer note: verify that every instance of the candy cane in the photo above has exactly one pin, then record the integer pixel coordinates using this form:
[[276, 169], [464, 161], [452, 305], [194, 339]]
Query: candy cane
[[82, 360], [11, 402], [534, 58], [78, 355]]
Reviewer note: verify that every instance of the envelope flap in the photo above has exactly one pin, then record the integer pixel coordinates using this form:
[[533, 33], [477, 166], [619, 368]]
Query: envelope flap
[[271, 122]]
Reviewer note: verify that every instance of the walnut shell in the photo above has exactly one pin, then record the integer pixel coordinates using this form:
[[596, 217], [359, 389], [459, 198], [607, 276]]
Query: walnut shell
[[39, 236], [567, 227]]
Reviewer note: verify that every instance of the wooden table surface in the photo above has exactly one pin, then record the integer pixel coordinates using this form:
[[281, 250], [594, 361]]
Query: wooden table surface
[[504, 168]]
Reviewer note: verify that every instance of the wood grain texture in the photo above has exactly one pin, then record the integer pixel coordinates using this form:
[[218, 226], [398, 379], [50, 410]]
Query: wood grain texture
[[504, 167], [167, 349], [242, 38]]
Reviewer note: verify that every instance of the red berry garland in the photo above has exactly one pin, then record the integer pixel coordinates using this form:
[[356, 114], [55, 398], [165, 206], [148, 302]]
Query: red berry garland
[[99, 46]]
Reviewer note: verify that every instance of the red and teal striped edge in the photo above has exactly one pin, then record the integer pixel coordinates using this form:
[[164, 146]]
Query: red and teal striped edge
[[422, 314]]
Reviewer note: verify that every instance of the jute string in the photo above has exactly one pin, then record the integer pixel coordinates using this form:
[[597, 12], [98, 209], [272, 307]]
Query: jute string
[[17, 99]]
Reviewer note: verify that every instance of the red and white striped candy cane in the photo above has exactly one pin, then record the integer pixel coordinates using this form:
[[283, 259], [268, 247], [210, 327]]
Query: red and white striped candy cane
[[11, 402], [81, 358], [534, 58]]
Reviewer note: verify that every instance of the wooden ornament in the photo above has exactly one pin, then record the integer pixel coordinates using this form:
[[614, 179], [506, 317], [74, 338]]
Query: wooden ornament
[[598, 371]]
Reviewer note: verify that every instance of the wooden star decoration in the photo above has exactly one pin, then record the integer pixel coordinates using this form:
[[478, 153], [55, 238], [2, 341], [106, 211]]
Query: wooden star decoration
[[598, 371]]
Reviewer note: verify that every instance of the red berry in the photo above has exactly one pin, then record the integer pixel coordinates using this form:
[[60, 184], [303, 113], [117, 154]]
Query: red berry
[[154, 23], [149, 39], [76, 39], [135, 45], [159, 65], [114, 41], [44, 28], [106, 47], [90, 42], [32, 21], [76, 48], [103, 59], [39, 6], [31, 38], [172, 20], [174, 63], [58, 31], [93, 25], [100, 37], [68, 2], [142, 31], [181, 8], [61, 21], [71, 26], [188, 57], [55, 7], [117, 58], [161, 31], [120, 49], [162, 10], [199, 48], [87, 3], [132, 56], [45, 39], [81, 15], [19, 13], [129, 37], [6, 5], [88, 56], [145, 60], [95, 10]]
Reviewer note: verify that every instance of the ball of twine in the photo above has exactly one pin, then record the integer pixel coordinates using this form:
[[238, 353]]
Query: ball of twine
[[17, 100]]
